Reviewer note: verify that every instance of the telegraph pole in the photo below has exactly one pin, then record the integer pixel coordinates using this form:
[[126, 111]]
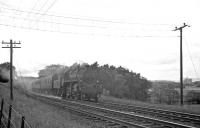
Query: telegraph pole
[[10, 45], [181, 60]]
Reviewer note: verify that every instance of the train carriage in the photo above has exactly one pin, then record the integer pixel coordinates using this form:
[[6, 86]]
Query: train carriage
[[43, 85], [36, 85]]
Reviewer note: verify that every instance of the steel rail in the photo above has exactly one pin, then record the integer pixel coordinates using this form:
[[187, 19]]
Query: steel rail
[[126, 113], [152, 121], [132, 115], [157, 109], [85, 112], [167, 114], [185, 118]]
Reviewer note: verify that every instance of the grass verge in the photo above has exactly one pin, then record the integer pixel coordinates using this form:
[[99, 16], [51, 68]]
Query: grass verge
[[41, 115]]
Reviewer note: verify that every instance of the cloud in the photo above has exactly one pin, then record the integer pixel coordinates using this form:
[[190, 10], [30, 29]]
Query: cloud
[[167, 61], [26, 72], [158, 61]]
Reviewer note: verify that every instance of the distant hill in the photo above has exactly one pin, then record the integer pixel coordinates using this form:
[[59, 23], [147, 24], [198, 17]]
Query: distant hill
[[27, 77], [164, 83], [195, 79]]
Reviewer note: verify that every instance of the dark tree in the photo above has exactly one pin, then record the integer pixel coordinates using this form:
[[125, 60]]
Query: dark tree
[[193, 97], [5, 72], [50, 70], [95, 65]]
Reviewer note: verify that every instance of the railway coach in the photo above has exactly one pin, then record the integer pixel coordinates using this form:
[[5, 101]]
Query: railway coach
[[42, 85]]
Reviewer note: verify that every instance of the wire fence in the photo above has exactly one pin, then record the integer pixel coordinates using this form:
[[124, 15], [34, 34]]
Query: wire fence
[[10, 117]]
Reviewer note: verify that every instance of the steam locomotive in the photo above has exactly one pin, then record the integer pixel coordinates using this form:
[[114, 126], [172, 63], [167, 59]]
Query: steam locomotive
[[80, 83]]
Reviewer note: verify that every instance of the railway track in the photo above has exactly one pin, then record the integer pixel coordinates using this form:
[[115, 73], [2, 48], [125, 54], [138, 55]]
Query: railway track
[[173, 116], [113, 118], [120, 115]]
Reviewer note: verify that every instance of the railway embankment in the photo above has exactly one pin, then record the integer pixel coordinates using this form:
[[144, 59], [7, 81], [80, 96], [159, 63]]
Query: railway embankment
[[42, 115]]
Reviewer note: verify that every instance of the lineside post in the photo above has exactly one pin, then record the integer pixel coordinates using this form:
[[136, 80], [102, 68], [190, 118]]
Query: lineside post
[[9, 116], [181, 61], [1, 112], [22, 123], [10, 45]]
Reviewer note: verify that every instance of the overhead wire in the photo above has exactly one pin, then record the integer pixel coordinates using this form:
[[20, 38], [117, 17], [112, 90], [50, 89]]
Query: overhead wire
[[51, 5], [34, 6], [43, 5], [70, 24], [15, 12], [81, 25], [58, 23], [86, 19], [190, 56], [90, 34], [2, 3]]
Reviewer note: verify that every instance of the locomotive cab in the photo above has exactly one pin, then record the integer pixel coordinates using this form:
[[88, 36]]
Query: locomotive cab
[[91, 91]]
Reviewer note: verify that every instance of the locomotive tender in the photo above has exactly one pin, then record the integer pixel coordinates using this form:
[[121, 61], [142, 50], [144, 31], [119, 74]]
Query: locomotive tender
[[79, 83]]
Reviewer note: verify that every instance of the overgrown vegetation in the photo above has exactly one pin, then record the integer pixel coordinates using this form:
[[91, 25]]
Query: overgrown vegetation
[[193, 97], [4, 72], [123, 83], [167, 92], [164, 92], [41, 115], [51, 69]]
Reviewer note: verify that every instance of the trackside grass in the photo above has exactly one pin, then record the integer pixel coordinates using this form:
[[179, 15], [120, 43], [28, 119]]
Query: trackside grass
[[195, 109], [41, 115]]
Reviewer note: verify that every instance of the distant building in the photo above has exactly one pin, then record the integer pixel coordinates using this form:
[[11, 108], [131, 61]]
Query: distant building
[[189, 89], [187, 81], [195, 79]]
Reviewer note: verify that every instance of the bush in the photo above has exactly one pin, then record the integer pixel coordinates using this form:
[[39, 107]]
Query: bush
[[193, 97]]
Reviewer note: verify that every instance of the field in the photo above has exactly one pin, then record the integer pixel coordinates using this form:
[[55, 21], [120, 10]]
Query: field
[[185, 108], [41, 115]]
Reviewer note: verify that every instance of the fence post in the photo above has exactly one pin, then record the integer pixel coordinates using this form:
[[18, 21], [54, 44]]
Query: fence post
[[9, 116], [22, 123], [1, 112]]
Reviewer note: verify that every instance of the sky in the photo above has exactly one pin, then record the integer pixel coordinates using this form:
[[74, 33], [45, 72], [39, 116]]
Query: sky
[[135, 34]]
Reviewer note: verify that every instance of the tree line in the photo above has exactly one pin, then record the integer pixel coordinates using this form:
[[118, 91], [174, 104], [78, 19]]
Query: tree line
[[5, 72]]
